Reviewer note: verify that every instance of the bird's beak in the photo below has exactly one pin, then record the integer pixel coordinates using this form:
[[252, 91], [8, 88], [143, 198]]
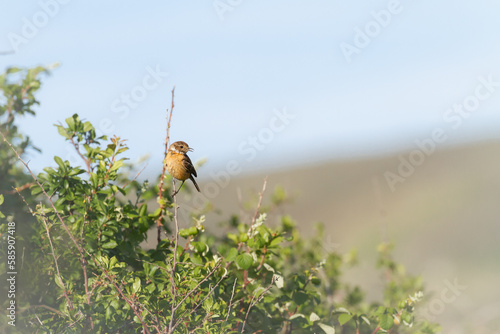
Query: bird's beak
[[190, 149]]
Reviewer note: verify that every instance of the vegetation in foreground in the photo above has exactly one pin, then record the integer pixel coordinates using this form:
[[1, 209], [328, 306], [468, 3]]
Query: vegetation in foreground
[[81, 268]]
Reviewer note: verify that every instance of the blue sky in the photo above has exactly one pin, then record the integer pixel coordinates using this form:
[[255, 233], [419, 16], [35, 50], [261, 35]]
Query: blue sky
[[235, 68]]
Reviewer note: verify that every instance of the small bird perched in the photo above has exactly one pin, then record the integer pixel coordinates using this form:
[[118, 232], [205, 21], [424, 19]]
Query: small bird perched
[[179, 165]]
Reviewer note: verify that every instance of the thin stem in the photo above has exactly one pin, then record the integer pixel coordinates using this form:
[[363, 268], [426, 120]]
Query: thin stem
[[231, 300], [198, 285], [172, 276], [193, 291], [136, 176], [261, 195], [52, 251], [21, 188], [87, 161], [164, 170], [132, 305], [202, 301], [255, 301]]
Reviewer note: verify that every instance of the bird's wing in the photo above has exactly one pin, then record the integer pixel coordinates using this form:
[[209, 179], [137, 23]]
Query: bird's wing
[[189, 166]]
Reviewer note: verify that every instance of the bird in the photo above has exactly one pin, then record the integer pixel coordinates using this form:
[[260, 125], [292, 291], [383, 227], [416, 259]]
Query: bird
[[179, 165]]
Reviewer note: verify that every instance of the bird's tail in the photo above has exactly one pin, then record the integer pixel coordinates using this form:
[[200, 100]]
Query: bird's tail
[[194, 182]]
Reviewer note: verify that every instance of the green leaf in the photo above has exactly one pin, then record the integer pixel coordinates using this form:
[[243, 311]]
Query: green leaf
[[300, 297], [62, 131], [11, 70], [297, 315], [121, 190], [36, 190], [136, 286], [199, 247], [314, 317], [109, 312], [155, 214], [112, 262], [110, 244], [121, 150], [193, 230], [1, 202], [143, 210], [87, 126], [116, 165], [380, 311], [407, 317], [231, 256], [344, 317], [207, 304], [150, 288], [71, 122], [184, 233], [327, 329], [60, 163], [59, 281], [244, 261], [386, 321], [276, 241], [76, 171], [279, 281], [341, 310], [94, 179], [233, 237], [365, 319]]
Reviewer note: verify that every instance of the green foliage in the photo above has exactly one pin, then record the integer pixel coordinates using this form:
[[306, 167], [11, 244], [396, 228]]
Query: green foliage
[[17, 89], [17, 99], [87, 244], [1, 202]]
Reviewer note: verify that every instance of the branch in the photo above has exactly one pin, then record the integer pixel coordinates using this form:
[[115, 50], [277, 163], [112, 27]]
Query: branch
[[193, 291], [46, 307], [198, 285], [87, 161], [132, 305], [201, 302], [172, 276], [255, 301], [136, 176], [52, 251], [260, 201], [231, 300], [21, 188], [164, 170]]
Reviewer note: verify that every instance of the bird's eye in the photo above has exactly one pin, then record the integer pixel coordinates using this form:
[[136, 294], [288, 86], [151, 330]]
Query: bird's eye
[[182, 146]]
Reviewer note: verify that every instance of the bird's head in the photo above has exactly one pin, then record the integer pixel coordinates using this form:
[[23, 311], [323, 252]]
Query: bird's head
[[180, 147]]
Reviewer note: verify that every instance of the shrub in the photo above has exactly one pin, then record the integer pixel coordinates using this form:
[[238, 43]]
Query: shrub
[[85, 269]]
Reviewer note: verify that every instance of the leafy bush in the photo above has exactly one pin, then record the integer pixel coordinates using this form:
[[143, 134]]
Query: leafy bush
[[88, 271]]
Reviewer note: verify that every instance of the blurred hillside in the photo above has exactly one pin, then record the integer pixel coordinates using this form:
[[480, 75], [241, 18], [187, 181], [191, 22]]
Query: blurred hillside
[[444, 219]]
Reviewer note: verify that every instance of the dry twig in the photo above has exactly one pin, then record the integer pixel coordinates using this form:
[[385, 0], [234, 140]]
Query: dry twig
[[231, 300], [172, 276], [164, 170], [261, 195]]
